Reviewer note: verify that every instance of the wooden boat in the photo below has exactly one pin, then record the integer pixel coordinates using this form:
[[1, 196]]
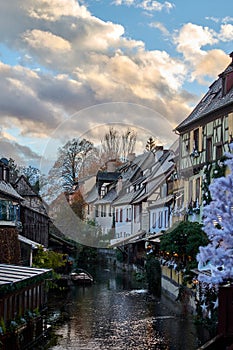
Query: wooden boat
[[82, 277]]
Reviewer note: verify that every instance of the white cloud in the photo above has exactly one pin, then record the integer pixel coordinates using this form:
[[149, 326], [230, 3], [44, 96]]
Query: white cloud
[[53, 10], [160, 26], [84, 61], [227, 19], [191, 38], [226, 32], [150, 5], [204, 64], [214, 19], [147, 5], [44, 40]]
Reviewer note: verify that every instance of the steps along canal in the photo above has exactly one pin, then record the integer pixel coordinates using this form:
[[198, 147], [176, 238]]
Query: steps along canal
[[114, 313]]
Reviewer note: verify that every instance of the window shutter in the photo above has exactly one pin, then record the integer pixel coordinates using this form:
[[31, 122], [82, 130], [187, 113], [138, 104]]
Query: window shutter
[[200, 139], [191, 141]]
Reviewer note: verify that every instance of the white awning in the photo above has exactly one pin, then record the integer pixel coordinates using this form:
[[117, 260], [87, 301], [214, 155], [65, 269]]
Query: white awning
[[34, 245]]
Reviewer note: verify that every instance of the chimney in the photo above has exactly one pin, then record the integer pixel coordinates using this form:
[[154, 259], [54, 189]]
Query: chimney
[[131, 157], [231, 56], [111, 166]]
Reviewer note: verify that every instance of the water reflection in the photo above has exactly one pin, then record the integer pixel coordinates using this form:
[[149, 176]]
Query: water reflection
[[116, 313]]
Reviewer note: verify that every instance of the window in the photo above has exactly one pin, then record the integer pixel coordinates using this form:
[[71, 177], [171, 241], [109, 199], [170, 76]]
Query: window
[[160, 219], [110, 211], [196, 139], [97, 211], [209, 149], [198, 190], [166, 218], [128, 214], [103, 211], [153, 220], [117, 215], [218, 152], [102, 192], [121, 215]]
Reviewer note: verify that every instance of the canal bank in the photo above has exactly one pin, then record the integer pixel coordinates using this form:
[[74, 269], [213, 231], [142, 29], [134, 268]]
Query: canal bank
[[118, 313]]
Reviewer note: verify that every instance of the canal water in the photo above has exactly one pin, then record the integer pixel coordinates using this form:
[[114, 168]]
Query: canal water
[[117, 313]]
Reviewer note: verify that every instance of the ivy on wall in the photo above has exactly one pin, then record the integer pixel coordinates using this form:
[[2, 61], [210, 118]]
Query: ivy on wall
[[9, 246]]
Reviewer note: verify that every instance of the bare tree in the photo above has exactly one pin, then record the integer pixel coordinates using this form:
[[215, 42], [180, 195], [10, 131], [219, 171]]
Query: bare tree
[[116, 145], [73, 155], [111, 144], [128, 143]]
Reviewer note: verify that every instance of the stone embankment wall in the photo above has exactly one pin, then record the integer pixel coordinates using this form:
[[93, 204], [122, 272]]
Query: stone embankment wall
[[171, 282]]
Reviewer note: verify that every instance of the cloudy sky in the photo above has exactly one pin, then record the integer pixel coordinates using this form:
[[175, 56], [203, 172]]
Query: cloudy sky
[[69, 68]]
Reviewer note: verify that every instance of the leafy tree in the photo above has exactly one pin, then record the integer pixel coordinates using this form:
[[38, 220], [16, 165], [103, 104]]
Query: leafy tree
[[48, 259], [217, 256], [185, 241]]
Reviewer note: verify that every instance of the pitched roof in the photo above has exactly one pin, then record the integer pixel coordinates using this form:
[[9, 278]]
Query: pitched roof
[[108, 198], [161, 172], [24, 188], [92, 195], [126, 198], [213, 100], [7, 190]]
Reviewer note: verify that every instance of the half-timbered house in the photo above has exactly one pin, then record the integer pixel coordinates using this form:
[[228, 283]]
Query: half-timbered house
[[204, 138]]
